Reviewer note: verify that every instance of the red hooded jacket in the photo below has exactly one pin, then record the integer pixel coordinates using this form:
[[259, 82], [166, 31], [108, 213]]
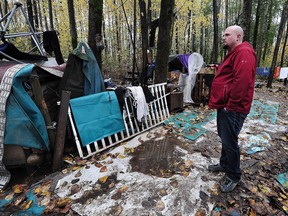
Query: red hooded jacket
[[233, 84]]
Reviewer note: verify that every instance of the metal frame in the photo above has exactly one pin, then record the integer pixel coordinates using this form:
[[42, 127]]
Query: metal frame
[[158, 112], [32, 33]]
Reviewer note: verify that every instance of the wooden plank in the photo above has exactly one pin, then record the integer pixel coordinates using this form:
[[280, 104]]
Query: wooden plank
[[61, 131]]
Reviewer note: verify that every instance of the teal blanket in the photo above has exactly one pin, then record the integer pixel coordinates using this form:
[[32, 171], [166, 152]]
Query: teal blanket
[[97, 116], [25, 125]]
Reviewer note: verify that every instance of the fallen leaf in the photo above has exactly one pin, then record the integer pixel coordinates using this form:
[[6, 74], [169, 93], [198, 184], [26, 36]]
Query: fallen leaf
[[75, 189], [103, 179], [63, 202], [78, 174], [116, 210], [201, 212], [252, 212], [111, 185], [121, 156], [116, 196], [19, 188], [174, 183], [26, 205], [76, 167], [163, 192], [9, 196], [160, 206], [103, 169], [185, 173], [45, 201], [50, 206], [19, 199], [98, 165], [123, 188], [182, 167]]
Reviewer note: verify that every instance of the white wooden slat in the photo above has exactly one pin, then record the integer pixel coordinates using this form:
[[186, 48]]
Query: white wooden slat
[[158, 112]]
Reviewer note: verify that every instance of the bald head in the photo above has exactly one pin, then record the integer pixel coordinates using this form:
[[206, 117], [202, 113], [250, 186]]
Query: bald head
[[237, 30], [232, 37]]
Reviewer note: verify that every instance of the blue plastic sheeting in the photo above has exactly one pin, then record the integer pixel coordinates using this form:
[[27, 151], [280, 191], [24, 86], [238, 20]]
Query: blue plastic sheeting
[[25, 125], [283, 179], [263, 71], [256, 149], [259, 70], [97, 116], [266, 112], [185, 122], [34, 209]]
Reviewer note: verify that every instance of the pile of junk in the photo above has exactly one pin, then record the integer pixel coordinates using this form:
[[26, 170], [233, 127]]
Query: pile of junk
[[45, 100]]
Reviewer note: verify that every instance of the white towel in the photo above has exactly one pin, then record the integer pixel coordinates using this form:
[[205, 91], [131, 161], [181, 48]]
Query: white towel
[[140, 102]]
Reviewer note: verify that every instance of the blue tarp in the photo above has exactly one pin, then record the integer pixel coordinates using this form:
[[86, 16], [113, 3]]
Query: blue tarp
[[187, 123], [97, 116], [263, 71], [25, 125], [266, 112]]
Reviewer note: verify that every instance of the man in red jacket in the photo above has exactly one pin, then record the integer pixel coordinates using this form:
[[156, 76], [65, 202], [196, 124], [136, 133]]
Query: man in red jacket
[[232, 94]]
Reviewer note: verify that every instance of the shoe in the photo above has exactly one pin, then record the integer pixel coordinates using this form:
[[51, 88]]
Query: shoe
[[216, 168], [228, 184]]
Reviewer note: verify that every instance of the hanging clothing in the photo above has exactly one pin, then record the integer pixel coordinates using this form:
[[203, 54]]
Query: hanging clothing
[[139, 102], [82, 75], [51, 44], [11, 50]]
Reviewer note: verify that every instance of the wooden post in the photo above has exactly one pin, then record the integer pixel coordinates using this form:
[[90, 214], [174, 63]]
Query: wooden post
[[61, 131], [41, 104]]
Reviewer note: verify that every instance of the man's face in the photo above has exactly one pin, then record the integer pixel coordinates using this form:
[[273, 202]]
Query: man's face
[[229, 38]]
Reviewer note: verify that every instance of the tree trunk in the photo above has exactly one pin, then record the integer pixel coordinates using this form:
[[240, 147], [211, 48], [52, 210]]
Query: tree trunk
[[72, 23], [276, 50], [177, 40], [30, 13], [188, 49], [164, 39], [45, 19], [246, 17], [284, 46], [256, 27], [193, 34], [51, 14], [226, 13], [5, 6], [36, 19], [260, 44], [134, 44], [269, 22], [118, 37], [95, 28], [202, 39], [144, 36], [39, 6], [214, 56]]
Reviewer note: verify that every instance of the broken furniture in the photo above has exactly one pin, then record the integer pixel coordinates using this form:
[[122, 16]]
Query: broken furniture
[[201, 90], [158, 112]]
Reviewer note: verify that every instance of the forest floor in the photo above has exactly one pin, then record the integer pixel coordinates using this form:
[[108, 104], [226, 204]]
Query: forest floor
[[162, 172]]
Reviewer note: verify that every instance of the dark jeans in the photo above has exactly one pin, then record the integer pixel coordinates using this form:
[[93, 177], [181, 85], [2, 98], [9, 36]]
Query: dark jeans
[[229, 125]]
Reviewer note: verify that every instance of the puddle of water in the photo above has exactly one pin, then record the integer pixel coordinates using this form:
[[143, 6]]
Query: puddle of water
[[158, 157]]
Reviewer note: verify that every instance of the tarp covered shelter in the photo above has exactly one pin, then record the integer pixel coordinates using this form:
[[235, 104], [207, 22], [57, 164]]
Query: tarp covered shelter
[[178, 62]]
